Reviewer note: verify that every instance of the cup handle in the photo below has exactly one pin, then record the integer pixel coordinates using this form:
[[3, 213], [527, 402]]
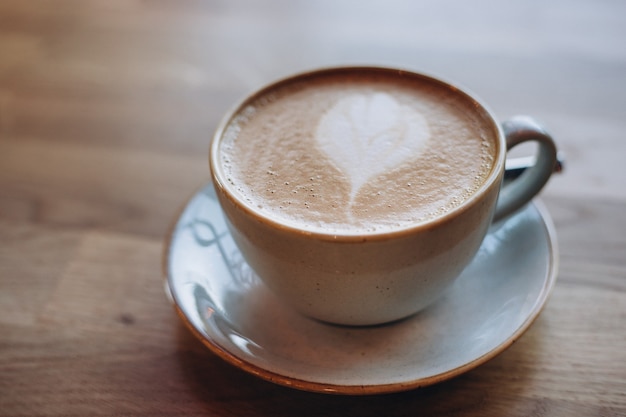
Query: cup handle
[[522, 189]]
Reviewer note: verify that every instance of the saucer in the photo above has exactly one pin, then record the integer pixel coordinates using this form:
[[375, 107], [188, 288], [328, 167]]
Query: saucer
[[230, 310]]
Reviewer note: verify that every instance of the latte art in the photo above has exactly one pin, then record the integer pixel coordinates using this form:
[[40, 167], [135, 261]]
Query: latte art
[[367, 135], [356, 153]]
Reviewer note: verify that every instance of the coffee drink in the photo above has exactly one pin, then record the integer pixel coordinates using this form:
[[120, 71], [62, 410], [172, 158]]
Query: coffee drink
[[358, 195], [357, 152]]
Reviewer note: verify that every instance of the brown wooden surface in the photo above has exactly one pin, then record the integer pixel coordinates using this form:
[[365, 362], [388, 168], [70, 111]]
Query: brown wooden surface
[[106, 109]]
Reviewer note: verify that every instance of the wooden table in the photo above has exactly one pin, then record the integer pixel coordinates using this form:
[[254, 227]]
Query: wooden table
[[106, 110]]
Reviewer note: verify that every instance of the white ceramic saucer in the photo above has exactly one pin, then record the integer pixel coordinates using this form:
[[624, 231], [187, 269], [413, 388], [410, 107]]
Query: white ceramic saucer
[[226, 306]]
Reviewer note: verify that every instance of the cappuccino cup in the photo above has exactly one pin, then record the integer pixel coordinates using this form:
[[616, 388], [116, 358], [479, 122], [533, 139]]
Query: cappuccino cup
[[359, 194]]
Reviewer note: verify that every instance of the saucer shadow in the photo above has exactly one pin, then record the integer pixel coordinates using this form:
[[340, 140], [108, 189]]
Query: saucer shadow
[[494, 388]]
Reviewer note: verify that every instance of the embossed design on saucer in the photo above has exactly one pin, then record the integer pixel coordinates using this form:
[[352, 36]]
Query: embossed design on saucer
[[227, 307]]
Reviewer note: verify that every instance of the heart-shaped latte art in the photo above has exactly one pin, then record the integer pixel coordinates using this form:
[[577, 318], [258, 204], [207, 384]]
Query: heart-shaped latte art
[[366, 135]]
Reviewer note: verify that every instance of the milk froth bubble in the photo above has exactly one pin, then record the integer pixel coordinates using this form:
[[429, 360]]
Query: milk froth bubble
[[357, 153]]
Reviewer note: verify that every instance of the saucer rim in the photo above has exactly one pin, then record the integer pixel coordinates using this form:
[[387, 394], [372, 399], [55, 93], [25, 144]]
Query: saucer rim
[[368, 389]]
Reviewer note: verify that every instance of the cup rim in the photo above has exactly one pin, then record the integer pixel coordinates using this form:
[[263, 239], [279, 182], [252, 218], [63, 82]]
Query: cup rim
[[492, 180]]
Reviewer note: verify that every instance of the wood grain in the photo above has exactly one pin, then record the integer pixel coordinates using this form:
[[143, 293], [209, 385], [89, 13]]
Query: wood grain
[[106, 110]]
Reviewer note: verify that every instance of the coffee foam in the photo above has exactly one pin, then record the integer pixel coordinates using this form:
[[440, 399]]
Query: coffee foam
[[366, 135], [345, 154]]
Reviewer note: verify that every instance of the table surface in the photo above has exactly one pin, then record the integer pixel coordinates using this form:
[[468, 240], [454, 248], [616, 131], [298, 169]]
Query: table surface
[[106, 110]]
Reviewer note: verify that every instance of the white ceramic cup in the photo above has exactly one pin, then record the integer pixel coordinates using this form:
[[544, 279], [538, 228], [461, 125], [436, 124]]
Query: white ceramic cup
[[377, 278]]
